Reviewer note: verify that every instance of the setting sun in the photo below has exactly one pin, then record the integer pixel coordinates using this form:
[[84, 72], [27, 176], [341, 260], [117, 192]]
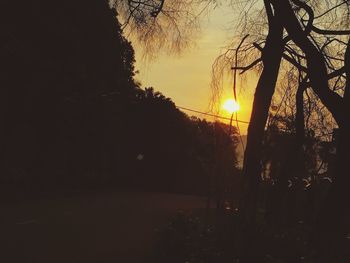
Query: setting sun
[[231, 106]]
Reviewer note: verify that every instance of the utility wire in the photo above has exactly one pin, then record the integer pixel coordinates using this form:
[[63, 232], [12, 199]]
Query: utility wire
[[211, 115]]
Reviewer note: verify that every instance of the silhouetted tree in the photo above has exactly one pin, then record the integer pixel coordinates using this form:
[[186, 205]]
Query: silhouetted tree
[[319, 53], [177, 151], [68, 71]]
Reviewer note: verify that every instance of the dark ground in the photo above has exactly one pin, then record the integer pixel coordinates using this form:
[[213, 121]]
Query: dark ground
[[113, 227]]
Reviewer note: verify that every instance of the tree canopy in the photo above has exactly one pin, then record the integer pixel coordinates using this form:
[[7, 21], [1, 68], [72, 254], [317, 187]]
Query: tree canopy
[[74, 115]]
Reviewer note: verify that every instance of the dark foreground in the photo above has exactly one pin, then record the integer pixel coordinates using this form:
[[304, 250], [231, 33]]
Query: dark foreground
[[115, 227]]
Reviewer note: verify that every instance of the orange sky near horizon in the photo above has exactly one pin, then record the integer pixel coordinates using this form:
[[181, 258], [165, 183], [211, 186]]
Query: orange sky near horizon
[[186, 78]]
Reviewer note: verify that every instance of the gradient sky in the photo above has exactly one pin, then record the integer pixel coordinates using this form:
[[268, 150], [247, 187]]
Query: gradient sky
[[186, 78]]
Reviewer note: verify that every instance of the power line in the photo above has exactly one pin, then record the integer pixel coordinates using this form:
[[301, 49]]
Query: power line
[[211, 115]]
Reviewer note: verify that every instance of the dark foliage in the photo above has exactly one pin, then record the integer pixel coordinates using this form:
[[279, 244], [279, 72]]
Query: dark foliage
[[72, 115], [215, 237], [63, 64], [166, 150]]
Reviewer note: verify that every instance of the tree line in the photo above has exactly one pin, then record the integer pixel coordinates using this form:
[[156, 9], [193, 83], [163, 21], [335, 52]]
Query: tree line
[[73, 115]]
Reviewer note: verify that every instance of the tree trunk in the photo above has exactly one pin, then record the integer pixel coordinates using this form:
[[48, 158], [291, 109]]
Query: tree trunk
[[331, 225], [333, 222], [316, 66], [247, 244], [271, 57], [299, 119]]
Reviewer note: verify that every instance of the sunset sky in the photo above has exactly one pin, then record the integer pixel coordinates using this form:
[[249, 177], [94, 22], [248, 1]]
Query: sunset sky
[[186, 78]]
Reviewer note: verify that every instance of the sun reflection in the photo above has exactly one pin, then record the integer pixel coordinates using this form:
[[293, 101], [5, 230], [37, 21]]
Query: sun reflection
[[231, 106]]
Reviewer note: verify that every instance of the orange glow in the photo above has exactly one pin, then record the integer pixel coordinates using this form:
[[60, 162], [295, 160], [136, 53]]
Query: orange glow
[[231, 106]]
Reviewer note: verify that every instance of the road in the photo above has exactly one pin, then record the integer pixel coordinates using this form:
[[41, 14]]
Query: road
[[114, 227]]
